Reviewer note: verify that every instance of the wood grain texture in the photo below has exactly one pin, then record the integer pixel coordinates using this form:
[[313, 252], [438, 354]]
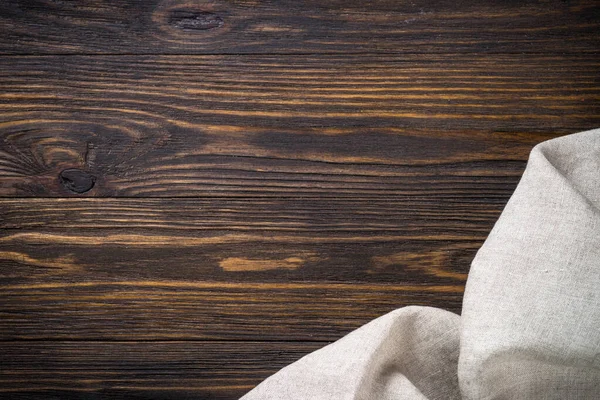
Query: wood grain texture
[[291, 221], [195, 193], [141, 370], [222, 268], [94, 308], [291, 26], [263, 125]]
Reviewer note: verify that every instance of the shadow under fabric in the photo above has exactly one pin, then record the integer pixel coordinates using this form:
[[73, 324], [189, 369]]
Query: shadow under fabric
[[530, 324]]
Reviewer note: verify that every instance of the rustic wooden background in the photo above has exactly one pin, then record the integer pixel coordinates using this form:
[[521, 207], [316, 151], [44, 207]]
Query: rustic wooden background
[[196, 193]]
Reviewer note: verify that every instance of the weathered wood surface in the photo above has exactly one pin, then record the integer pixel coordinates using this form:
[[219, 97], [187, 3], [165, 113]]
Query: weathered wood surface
[[194, 194], [141, 370], [159, 310], [280, 125], [291, 26], [291, 268]]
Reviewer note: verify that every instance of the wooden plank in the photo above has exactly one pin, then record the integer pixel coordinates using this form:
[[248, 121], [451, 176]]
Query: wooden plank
[[130, 370], [263, 125], [264, 269], [291, 26], [102, 308], [463, 212], [241, 240]]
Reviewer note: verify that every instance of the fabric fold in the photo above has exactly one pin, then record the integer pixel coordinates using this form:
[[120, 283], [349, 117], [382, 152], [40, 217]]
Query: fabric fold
[[409, 353], [530, 324]]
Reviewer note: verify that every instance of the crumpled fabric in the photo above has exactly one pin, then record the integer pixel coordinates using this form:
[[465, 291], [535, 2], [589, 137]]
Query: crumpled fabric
[[530, 323]]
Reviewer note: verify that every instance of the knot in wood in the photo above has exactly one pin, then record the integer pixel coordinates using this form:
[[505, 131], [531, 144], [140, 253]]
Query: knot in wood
[[195, 20], [76, 180]]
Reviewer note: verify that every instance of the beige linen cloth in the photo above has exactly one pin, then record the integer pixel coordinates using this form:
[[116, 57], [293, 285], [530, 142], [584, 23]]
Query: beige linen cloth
[[530, 324]]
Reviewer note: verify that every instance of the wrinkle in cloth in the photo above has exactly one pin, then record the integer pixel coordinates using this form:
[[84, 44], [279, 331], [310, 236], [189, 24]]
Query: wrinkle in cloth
[[530, 322]]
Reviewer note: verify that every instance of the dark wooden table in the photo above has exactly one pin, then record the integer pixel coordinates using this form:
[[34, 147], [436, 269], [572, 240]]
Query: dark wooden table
[[195, 194]]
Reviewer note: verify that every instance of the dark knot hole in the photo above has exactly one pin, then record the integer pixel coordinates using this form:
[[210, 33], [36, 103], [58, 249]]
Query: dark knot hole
[[76, 180]]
